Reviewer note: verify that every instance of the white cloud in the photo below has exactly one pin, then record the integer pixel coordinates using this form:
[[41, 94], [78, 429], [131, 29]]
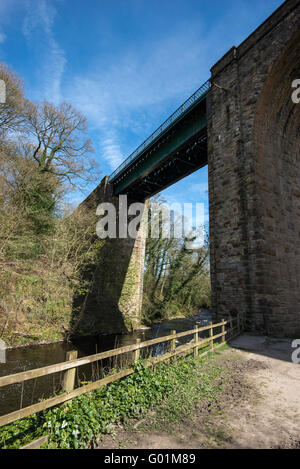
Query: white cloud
[[38, 29], [200, 189], [126, 99], [137, 91], [110, 149]]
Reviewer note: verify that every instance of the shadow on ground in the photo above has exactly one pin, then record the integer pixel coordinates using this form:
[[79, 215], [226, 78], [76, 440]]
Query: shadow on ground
[[278, 348]]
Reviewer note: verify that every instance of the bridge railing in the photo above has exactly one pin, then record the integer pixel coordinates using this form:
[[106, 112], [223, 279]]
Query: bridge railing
[[195, 98], [229, 329]]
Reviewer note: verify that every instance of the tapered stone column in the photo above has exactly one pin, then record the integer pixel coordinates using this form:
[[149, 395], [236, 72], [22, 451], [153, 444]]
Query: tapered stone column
[[114, 303]]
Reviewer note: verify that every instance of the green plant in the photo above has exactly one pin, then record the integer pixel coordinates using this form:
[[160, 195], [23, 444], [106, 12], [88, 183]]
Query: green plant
[[173, 387]]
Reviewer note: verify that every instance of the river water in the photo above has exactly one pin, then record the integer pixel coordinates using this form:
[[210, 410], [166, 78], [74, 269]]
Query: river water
[[19, 395]]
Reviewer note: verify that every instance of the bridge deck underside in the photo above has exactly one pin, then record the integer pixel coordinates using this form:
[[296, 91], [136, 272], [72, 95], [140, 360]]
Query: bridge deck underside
[[178, 153]]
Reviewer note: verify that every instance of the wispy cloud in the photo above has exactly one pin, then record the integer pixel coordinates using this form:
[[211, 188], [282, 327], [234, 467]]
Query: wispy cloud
[[139, 86], [201, 189], [110, 148], [126, 89], [38, 30], [137, 90], [6, 8]]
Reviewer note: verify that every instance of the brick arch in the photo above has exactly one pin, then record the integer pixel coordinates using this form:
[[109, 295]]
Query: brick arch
[[277, 118], [276, 143]]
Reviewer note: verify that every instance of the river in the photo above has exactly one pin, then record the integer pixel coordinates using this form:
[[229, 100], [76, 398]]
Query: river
[[19, 395]]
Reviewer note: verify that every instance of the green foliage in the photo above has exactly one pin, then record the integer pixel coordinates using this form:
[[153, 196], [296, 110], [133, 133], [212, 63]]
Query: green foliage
[[23, 248], [39, 202], [177, 279], [174, 387], [36, 293], [43, 153]]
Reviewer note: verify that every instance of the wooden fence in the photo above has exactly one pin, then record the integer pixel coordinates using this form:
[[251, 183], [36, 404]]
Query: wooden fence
[[234, 327]]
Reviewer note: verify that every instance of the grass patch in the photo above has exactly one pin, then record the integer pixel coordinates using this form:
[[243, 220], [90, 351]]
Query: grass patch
[[172, 388]]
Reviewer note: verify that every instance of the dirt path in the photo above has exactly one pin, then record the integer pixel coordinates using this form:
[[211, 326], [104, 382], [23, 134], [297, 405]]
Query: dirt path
[[274, 421], [259, 406]]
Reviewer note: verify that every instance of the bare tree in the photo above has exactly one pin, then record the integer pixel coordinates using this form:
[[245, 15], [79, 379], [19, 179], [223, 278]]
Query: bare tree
[[11, 112], [57, 142]]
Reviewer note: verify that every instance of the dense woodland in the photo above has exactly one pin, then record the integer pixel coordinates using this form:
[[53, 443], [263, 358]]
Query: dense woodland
[[45, 245]]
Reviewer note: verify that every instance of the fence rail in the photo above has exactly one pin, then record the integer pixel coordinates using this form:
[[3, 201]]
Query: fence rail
[[72, 363]]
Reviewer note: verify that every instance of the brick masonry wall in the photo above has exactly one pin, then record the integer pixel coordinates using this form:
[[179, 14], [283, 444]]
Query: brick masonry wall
[[254, 177]]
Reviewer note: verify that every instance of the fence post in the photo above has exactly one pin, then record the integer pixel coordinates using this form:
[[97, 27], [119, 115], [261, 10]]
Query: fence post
[[238, 323], [196, 340], [69, 375], [231, 326], [223, 330], [173, 341], [137, 352], [211, 335]]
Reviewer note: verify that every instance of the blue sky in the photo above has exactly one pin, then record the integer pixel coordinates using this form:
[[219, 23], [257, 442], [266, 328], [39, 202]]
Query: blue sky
[[126, 64]]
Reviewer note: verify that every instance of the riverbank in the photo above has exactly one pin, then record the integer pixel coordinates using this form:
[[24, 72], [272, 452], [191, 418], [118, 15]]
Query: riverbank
[[88, 418], [21, 340], [36, 356]]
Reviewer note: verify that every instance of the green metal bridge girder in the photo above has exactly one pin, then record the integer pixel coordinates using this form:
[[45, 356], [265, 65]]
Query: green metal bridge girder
[[143, 167], [175, 149]]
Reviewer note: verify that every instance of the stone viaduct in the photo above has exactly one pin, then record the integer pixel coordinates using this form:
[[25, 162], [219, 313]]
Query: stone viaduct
[[252, 142]]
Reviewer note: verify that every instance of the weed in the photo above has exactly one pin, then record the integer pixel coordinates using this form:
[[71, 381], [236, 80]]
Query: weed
[[173, 388]]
